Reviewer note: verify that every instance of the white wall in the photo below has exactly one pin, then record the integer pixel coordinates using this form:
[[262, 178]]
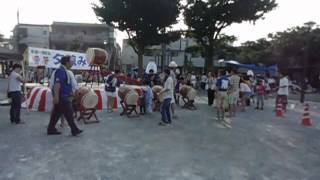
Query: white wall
[[36, 36]]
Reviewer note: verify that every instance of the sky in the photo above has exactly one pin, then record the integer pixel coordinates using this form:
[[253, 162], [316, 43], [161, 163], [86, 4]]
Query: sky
[[289, 13]]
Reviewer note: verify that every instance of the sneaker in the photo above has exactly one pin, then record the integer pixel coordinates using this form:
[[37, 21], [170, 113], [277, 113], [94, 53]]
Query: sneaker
[[162, 124], [77, 133], [226, 124]]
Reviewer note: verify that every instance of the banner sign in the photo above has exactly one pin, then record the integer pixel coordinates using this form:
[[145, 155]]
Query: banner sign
[[51, 58]]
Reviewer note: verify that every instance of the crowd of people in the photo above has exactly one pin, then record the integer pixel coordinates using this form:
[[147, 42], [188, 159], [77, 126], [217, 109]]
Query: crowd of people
[[226, 90]]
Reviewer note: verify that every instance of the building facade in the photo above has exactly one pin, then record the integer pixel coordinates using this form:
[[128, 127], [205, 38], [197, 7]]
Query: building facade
[[175, 51], [80, 36], [25, 35]]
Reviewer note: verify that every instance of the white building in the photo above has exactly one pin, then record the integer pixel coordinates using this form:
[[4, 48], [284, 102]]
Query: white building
[[175, 51], [25, 35]]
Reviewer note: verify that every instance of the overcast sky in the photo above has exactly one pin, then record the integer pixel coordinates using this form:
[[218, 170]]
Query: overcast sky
[[289, 13]]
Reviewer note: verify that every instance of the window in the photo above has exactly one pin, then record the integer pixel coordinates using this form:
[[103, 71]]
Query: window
[[45, 32]]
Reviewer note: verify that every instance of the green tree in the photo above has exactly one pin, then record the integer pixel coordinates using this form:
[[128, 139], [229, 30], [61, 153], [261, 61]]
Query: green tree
[[297, 52], [256, 52], [142, 20], [207, 18]]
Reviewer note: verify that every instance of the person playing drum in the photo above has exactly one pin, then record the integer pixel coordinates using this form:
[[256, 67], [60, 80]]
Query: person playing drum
[[111, 85]]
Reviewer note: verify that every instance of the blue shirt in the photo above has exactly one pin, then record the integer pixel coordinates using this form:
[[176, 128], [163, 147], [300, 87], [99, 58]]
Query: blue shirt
[[65, 86], [223, 83]]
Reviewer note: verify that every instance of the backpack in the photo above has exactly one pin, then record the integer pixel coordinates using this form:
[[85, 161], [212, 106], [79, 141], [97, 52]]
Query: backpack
[[223, 83]]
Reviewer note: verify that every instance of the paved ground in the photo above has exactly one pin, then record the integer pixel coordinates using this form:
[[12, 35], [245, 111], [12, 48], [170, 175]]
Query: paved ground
[[258, 147]]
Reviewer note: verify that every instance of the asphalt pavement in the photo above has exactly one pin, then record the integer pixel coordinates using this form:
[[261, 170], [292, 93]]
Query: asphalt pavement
[[260, 146]]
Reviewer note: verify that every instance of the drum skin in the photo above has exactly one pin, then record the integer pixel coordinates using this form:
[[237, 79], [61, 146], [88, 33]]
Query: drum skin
[[89, 100], [188, 92], [123, 91], [96, 56], [132, 98], [156, 90], [85, 98]]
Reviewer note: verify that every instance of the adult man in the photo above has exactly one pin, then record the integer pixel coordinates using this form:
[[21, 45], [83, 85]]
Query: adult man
[[14, 92], [167, 92], [62, 98], [234, 92], [173, 65], [74, 88], [222, 89], [283, 91]]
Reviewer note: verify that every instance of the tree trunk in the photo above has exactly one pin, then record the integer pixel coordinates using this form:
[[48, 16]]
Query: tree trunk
[[208, 64], [163, 55], [140, 64]]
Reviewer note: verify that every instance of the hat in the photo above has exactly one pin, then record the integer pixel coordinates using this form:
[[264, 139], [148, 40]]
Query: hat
[[173, 64]]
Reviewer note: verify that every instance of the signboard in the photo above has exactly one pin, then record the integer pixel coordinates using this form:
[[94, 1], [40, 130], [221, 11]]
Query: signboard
[[51, 58]]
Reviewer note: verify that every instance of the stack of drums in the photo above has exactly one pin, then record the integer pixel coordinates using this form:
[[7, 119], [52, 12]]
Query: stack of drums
[[96, 56]]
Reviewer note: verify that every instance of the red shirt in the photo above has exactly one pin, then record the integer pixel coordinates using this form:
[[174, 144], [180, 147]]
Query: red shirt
[[260, 90]]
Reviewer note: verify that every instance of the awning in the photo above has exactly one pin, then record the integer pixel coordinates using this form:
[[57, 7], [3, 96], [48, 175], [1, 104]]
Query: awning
[[9, 55]]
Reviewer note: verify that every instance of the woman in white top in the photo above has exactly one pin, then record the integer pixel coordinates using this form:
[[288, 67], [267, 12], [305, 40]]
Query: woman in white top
[[245, 93], [204, 79]]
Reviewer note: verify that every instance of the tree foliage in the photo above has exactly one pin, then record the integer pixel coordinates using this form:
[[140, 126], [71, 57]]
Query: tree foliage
[[207, 18], [142, 20], [256, 52], [1, 37]]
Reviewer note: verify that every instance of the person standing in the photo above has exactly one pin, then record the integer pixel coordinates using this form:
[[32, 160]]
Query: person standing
[[234, 92], [14, 92], [210, 86], [172, 67], [62, 99], [167, 92], [223, 85], [111, 86], [204, 79], [260, 90], [193, 80], [283, 91], [245, 93]]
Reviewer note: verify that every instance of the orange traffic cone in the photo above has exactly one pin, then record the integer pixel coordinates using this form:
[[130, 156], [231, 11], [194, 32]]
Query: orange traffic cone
[[279, 110], [306, 121]]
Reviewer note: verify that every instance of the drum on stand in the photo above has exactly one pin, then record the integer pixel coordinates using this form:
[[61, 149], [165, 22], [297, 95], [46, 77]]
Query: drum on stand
[[123, 91], [79, 95], [86, 101], [132, 98], [96, 56], [188, 96], [89, 100]]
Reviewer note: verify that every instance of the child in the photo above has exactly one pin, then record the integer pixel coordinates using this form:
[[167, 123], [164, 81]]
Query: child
[[148, 98], [142, 103], [260, 90]]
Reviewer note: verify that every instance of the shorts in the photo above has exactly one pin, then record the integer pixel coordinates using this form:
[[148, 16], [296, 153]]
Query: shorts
[[234, 97], [220, 97], [111, 94]]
